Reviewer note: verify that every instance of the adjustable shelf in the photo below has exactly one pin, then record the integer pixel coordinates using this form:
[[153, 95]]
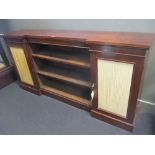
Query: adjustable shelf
[[64, 78], [66, 73], [66, 95], [66, 55], [63, 71], [61, 60], [66, 90]]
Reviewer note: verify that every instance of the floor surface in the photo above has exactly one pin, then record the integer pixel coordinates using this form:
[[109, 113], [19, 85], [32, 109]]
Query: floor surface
[[22, 112]]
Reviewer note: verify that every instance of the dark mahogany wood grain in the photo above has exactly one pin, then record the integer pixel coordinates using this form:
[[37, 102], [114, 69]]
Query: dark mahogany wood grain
[[131, 39], [113, 55], [7, 76], [128, 47], [24, 46], [74, 103], [30, 88], [112, 120]]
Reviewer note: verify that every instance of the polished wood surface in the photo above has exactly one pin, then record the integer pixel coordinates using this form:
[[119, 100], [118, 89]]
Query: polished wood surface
[[61, 61], [113, 118], [65, 78], [7, 76], [132, 39], [66, 95]]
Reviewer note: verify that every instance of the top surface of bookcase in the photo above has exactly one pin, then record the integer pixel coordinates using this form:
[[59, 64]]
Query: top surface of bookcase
[[132, 39]]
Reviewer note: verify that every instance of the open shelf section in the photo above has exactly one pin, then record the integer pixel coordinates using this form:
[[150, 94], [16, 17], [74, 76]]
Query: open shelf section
[[67, 55], [63, 72], [66, 90], [65, 61], [66, 95], [64, 78]]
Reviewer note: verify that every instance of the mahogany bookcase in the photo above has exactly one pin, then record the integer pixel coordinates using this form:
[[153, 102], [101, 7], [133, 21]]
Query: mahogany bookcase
[[97, 71]]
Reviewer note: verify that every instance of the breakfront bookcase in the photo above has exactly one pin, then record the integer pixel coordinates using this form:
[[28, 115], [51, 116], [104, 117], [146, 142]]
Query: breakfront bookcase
[[97, 71]]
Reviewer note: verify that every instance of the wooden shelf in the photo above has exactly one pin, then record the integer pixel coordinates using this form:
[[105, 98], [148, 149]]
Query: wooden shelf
[[66, 95], [65, 88], [62, 60], [63, 71], [73, 72], [64, 78]]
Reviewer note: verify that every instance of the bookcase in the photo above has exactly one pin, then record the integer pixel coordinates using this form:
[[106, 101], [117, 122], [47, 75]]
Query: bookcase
[[63, 70], [96, 71]]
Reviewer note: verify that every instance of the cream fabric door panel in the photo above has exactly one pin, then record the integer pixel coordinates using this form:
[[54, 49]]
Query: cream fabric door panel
[[21, 64], [114, 82]]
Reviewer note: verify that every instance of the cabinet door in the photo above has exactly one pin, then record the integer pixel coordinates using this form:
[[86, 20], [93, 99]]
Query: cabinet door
[[21, 64], [114, 83], [116, 80]]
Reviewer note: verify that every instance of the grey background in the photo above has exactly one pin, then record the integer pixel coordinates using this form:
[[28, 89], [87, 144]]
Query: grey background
[[148, 83], [3, 26]]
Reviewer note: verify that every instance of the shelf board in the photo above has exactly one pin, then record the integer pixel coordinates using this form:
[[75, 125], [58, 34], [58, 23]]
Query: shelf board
[[64, 78], [66, 95], [63, 60]]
